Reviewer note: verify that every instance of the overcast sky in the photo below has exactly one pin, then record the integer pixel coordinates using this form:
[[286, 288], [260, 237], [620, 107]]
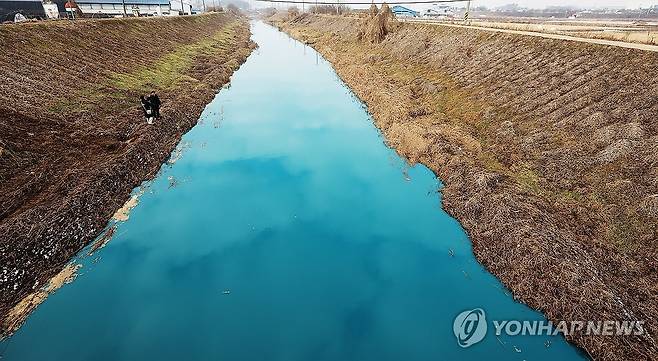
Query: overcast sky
[[580, 3], [539, 4], [535, 4]]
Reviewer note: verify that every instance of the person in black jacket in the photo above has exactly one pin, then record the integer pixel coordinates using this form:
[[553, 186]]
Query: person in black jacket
[[148, 109], [155, 102]]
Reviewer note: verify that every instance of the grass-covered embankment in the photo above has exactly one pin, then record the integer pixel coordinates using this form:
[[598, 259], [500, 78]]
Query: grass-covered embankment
[[73, 141], [548, 150]]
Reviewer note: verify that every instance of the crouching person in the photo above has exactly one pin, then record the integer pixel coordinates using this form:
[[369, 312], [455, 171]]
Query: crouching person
[[154, 99], [147, 107]]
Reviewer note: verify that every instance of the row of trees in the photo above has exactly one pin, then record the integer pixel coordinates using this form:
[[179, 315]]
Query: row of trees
[[320, 9], [329, 9]]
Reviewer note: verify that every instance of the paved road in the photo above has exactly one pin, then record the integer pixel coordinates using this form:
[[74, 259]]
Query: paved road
[[621, 44]]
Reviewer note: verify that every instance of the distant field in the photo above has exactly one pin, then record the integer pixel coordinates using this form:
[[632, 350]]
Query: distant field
[[641, 32], [648, 37]]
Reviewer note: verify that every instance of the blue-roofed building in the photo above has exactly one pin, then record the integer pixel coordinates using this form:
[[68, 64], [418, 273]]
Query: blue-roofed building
[[133, 7], [402, 11]]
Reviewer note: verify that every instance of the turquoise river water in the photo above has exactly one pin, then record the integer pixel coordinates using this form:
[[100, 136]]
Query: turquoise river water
[[286, 231]]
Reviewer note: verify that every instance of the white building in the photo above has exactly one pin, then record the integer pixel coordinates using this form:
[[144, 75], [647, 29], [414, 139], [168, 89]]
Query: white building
[[439, 11], [180, 7], [133, 7]]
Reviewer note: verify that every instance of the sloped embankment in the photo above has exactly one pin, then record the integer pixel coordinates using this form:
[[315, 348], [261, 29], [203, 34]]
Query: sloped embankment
[[73, 141], [548, 150]]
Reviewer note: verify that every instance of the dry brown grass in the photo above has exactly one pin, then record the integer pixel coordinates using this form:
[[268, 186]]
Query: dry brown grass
[[377, 24], [547, 150], [635, 36]]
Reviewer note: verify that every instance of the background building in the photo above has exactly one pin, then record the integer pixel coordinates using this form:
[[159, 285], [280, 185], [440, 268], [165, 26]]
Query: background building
[[182, 7], [29, 8], [439, 11], [403, 11], [133, 7]]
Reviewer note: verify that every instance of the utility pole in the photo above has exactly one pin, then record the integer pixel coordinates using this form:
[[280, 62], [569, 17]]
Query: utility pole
[[468, 10], [204, 5], [125, 13]]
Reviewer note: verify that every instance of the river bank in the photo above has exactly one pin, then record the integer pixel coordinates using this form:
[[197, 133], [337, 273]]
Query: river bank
[[547, 149], [73, 141], [272, 241]]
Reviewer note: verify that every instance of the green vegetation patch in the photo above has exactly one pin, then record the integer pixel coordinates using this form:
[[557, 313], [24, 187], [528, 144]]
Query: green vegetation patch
[[527, 178], [170, 70], [117, 92]]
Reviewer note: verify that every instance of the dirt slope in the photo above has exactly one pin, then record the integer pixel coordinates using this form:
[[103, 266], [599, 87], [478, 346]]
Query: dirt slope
[[548, 150], [73, 142]]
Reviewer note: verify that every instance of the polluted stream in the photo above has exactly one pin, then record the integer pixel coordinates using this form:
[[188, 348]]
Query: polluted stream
[[282, 228]]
